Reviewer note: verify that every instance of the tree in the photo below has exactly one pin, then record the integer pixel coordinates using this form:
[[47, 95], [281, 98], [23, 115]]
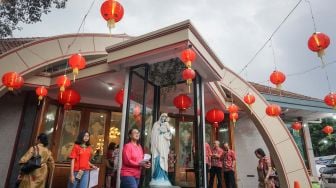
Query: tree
[[13, 12]]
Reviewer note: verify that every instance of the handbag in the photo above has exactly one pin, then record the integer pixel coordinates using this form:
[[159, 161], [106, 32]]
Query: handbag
[[33, 163]]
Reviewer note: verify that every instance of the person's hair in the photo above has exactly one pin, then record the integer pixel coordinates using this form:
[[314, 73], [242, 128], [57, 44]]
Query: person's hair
[[80, 138], [260, 152], [111, 146], [43, 138], [130, 132]]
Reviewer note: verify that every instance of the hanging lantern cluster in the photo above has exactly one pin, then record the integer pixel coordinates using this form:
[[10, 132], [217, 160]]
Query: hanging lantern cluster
[[69, 98], [273, 110], [112, 11], [12, 80], [188, 74], [41, 92], [328, 130], [318, 42], [277, 78], [119, 97], [215, 116], [233, 109], [330, 100], [76, 62]]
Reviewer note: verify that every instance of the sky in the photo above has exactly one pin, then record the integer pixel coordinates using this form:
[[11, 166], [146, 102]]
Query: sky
[[235, 30]]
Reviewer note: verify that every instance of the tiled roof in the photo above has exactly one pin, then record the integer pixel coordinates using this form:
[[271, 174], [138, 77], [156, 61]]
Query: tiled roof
[[10, 43], [273, 91]]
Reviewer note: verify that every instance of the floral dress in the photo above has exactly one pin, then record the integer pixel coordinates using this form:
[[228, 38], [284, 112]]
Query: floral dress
[[263, 166], [38, 177]]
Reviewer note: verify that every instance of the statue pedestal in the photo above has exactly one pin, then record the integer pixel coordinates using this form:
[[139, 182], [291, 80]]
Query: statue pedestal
[[162, 186]]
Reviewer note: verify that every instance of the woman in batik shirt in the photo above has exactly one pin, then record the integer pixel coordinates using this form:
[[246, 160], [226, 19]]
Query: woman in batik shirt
[[38, 177], [265, 170]]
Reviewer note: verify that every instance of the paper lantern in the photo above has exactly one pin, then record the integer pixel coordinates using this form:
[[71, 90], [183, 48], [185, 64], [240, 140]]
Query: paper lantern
[[41, 92], [249, 99], [273, 110], [119, 97], [63, 82], [330, 100], [233, 108], [215, 116], [188, 74], [69, 98], [77, 62], [328, 130], [318, 42], [112, 11], [12, 80], [188, 56], [297, 126], [182, 102], [277, 78], [234, 117]]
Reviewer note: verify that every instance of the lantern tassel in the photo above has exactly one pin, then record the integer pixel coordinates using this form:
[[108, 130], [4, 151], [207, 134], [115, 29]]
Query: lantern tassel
[[10, 88], [320, 53], [278, 86], [62, 88], [322, 61], [111, 24], [39, 102]]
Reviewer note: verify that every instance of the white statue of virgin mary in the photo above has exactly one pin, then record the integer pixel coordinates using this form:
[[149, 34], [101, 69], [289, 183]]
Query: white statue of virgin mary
[[160, 143]]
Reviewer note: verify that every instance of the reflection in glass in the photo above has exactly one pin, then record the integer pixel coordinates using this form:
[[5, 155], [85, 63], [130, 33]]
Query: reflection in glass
[[185, 145], [114, 131], [70, 128], [49, 121], [97, 130]]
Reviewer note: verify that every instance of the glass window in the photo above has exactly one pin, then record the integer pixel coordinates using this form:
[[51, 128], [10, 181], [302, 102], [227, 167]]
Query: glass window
[[185, 158], [70, 128], [97, 132], [224, 133], [49, 121], [323, 144], [114, 131]]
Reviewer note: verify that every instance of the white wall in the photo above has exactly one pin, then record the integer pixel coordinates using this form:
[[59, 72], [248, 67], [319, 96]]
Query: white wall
[[247, 140], [10, 113]]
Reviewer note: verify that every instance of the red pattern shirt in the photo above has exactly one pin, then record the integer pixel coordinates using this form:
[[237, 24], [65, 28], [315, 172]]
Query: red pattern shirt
[[208, 153], [229, 157], [216, 158], [82, 157]]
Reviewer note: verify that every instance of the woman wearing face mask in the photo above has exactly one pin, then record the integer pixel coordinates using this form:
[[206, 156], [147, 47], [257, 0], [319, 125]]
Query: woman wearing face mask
[[132, 161], [80, 161]]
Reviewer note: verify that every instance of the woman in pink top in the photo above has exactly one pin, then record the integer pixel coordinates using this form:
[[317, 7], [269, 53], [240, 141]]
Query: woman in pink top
[[132, 161]]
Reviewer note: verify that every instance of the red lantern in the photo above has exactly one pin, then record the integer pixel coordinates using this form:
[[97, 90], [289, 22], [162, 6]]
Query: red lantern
[[119, 97], [12, 80], [234, 117], [296, 126], [41, 92], [273, 110], [249, 99], [328, 129], [330, 100], [233, 108], [63, 82], [182, 102], [188, 56], [318, 42], [188, 75], [77, 62], [69, 98], [112, 11], [277, 78], [215, 116]]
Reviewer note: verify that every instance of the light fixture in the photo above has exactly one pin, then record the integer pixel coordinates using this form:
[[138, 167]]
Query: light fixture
[[223, 130], [110, 88], [325, 141]]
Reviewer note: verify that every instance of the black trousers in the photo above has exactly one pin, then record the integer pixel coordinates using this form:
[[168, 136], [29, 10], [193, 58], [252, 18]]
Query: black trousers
[[215, 171], [229, 178]]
